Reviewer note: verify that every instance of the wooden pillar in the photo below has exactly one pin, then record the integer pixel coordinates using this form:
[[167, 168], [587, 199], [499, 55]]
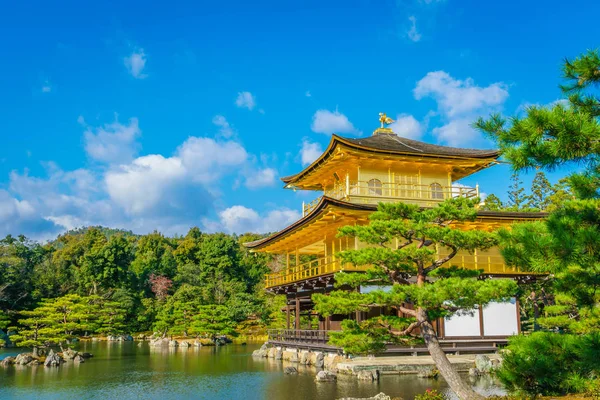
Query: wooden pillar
[[481, 320], [518, 304], [297, 325], [287, 313], [347, 184], [327, 323]]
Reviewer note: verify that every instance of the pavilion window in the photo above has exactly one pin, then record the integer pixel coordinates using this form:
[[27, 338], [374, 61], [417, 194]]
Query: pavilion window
[[437, 193], [375, 187]]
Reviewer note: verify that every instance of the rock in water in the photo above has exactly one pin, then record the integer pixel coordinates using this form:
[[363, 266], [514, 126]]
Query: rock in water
[[319, 360], [78, 359], [474, 372], [427, 372], [52, 359], [305, 358], [326, 376], [69, 354], [380, 396], [7, 361], [483, 363], [86, 355], [173, 343], [290, 370], [184, 344], [368, 375], [279, 354], [23, 359]]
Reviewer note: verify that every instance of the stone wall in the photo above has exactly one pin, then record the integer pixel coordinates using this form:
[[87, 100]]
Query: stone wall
[[317, 359]]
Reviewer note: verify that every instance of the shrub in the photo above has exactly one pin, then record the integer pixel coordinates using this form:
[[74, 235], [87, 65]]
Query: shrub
[[430, 394], [550, 363]]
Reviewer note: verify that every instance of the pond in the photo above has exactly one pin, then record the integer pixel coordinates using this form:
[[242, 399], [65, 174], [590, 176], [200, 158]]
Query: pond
[[124, 370]]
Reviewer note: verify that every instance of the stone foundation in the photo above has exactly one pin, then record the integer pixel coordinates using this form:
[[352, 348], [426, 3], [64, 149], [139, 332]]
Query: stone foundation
[[317, 359]]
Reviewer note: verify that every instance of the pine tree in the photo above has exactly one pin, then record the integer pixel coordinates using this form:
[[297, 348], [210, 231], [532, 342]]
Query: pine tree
[[516, 196], [212, 321], [55, 321], [552, 136], [110, 318], [403, 240], [492, 203], [541, 190]]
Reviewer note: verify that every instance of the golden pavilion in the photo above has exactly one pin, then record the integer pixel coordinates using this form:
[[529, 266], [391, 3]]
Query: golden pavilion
[[354, 175]]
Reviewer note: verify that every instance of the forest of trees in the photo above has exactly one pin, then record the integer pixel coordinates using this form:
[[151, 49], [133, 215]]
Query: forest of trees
[[103, 281]]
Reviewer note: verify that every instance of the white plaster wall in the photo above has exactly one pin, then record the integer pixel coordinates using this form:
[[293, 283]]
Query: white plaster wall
[[500, 319], [462, 325]]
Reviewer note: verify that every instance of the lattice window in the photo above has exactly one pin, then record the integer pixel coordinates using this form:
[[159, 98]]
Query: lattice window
[[375, 187], [437, 192]]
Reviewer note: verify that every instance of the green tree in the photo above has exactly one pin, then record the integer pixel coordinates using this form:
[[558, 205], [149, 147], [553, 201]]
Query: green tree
[[109, 317], [492, 203], [541, 192], [212, 321], [177, 313], [566, 246], [4, 323], [154, 255], [548, 137], [402, 241], [516, 194]]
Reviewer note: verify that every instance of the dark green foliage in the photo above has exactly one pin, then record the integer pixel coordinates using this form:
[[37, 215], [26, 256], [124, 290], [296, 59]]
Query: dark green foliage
[[492, 203], [541, 191], [212, 321], [430, 394], [550, 364], [566, 245], [516, 194], [417, 233], [370, 336], [552, 136], [109, 271]]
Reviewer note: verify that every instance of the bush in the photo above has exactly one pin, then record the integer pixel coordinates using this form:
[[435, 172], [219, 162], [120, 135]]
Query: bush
[[550, 363], [430, 394]]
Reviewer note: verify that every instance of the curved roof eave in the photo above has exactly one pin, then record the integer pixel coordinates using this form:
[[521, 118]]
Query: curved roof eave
[[461, 154], [327, 201]]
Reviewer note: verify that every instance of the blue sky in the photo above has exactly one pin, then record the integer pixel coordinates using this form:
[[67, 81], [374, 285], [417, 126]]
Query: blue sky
[[145, 117]]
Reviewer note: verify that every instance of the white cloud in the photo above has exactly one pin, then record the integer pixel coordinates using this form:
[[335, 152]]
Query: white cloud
[[226, 130], [240, 219], [412, 33], [457, 132], [169, 193], [246, 100], [112, 143], [459, 103], [455, 97], [260, 178], [141, 185], [325, 121], [309, 152], [407, 126], [207, 160], [46, 87], [135, 63]]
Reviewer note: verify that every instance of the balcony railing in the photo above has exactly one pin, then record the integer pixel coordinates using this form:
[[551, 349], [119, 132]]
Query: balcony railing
[[318, 267], [489, 264], [298, 336], [375, 191]]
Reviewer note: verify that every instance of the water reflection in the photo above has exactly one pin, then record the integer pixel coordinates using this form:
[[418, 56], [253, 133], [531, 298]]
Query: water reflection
[[125, 370]]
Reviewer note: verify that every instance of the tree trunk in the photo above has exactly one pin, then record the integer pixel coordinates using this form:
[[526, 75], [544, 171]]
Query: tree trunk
[[458, 386]]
